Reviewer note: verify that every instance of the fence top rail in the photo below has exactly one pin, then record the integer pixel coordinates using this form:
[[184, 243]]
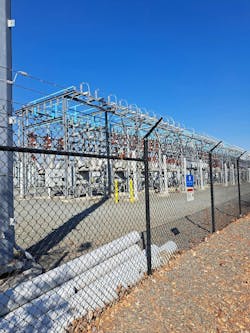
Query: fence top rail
[[66, 153]]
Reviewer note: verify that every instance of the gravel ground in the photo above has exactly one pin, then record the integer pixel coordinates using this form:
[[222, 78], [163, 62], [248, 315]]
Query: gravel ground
[[205, 289]]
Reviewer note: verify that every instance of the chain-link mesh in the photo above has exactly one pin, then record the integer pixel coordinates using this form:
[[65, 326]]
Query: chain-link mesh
[[181, 212], [77, 226], [76, 247], [244, 179]]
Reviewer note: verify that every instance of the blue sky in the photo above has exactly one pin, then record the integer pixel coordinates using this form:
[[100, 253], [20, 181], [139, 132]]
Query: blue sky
[[186, 59]]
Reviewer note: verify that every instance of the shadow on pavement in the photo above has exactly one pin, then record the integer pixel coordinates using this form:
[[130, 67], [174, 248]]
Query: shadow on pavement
[[57, 235]]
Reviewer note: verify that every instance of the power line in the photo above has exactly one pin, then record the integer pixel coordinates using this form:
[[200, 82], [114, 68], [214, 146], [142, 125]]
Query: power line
[[30, 89], [54, 84], [12, 101], [16, 85]]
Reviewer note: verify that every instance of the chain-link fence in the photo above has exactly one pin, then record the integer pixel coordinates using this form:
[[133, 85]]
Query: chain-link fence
[[94, 195], [182, 212]]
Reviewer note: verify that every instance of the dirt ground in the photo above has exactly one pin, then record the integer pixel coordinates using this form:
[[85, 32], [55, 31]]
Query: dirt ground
[[205, 289]]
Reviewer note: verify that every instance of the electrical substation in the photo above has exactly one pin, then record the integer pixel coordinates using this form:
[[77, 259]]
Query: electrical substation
[[76, 121]]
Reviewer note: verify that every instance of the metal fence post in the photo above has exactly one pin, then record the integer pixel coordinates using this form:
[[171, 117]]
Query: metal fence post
[[212, 185], [147, 204], [238, 181], [211, 191]]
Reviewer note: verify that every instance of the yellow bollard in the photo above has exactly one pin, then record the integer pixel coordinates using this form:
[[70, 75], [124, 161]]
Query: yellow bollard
[[116, 191], [131, 191]]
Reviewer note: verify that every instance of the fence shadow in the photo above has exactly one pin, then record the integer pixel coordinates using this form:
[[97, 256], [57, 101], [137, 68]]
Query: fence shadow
[[196, 224], [225, 213], [245, 203], [57, 235]]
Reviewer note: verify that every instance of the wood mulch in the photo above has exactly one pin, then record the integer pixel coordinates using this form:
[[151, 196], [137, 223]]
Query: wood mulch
[[205, 289]]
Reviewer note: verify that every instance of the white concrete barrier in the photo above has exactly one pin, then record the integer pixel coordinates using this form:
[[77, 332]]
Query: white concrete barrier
[[59, 296], [95, 285], [168, 249], [29, 290], [91, 297]]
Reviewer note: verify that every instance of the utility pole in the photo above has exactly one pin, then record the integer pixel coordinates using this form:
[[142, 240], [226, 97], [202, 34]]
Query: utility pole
[[6, 138]]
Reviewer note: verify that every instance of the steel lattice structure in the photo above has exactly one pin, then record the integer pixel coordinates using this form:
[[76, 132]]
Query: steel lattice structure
[[75, 120]]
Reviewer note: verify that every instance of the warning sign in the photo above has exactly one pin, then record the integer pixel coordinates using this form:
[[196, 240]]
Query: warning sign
[[190, 194]]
